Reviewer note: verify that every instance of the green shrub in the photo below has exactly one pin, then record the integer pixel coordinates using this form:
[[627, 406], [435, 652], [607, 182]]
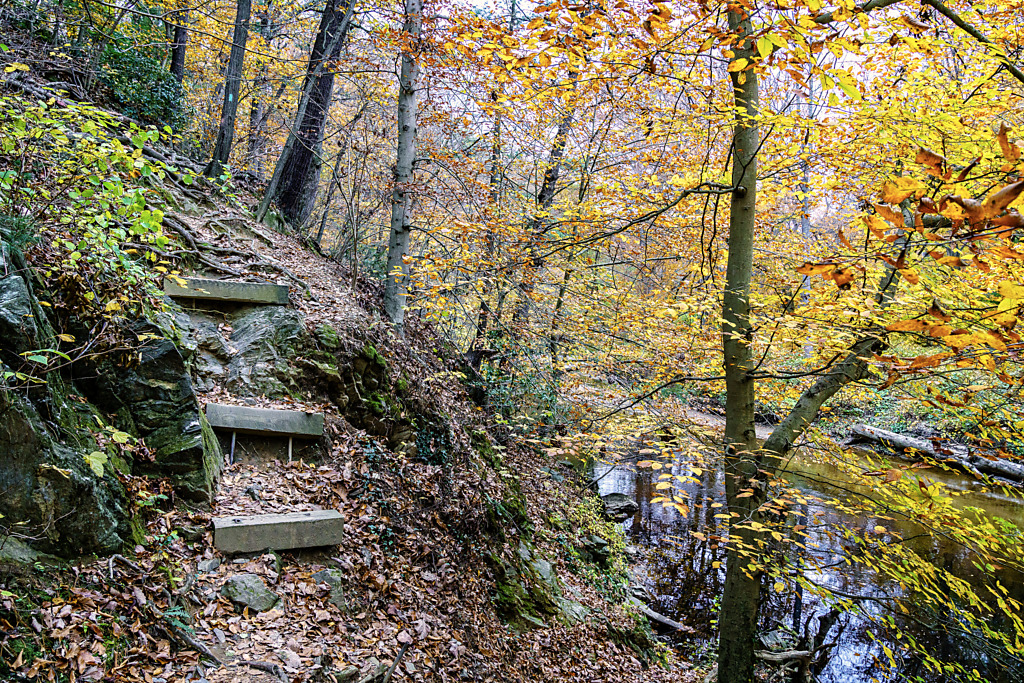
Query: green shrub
[[142, 88]]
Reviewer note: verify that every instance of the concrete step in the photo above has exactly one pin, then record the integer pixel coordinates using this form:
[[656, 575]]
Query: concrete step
[[278, 532], [227, 290], [246, 420]]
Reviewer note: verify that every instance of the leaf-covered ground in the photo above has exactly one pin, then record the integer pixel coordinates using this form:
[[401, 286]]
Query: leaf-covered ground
[[416, 597]]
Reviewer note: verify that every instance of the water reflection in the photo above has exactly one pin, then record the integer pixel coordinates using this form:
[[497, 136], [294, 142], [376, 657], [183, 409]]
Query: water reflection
[[686, 575]]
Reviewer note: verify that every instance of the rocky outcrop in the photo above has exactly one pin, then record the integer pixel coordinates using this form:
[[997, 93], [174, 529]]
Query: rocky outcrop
[[48, 490], [59, 489], [247, 351], [153, 397]]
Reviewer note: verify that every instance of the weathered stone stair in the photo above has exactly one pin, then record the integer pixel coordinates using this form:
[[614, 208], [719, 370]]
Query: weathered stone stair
[[236, 534], [287, 531], [227, 290]]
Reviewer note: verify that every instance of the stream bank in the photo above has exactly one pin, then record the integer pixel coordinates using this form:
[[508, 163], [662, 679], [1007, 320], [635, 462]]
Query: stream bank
[[684, 567]]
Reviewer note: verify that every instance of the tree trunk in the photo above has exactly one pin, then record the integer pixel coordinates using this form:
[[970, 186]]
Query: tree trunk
[[545, 198], [554, 337], [396, 286], [179, 47], [259, 110], [334, 183], [232, 84], [741, 598], [299, 178], [974, 462]]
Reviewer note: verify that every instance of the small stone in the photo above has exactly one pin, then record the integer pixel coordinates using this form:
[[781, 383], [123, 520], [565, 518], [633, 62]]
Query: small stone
[[248, 590], [349, 673], [618, 507], [208, 566], [290, 659], [254, 491], [333, 578]]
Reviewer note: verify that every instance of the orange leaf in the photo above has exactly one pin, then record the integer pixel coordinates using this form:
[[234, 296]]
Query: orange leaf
[[812, 269], [894, 217], [928, 361], [929, 158], [908, 326], [1010, 151]]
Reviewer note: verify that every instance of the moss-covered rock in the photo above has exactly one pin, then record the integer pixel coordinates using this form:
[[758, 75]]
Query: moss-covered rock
[[151, 393], [50, 490]]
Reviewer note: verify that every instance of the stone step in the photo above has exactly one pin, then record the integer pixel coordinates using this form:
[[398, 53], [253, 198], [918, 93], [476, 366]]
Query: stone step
[[278, 532], [227, 290], [246, 420]]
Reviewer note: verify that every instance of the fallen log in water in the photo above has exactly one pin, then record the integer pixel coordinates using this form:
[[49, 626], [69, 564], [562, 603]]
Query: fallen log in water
[[661, 619], [975, 461]]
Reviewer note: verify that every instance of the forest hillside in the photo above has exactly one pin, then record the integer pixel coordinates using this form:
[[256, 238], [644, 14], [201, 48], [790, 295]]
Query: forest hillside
[[647, 341]]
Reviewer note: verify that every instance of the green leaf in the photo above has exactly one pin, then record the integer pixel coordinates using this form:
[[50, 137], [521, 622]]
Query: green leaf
[[96, 461]]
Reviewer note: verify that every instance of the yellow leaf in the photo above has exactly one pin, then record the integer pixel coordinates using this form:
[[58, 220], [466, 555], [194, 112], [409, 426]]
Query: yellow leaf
[[898, 189], [779, 587], [739, 65], [1011, 290]]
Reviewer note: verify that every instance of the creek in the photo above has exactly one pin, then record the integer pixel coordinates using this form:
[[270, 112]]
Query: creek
[[686, 575]]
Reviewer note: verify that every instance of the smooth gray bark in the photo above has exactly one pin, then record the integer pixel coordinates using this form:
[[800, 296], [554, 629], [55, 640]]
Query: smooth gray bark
[[741, 597], [396, 285]]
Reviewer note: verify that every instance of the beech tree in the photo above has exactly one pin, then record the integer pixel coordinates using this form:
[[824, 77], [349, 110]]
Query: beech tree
[[396, 285]]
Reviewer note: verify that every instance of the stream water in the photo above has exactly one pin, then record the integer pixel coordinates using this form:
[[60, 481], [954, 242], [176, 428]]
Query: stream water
[[686, 575]]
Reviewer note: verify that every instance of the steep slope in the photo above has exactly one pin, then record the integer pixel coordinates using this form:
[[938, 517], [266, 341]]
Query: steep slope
[[467, 554]]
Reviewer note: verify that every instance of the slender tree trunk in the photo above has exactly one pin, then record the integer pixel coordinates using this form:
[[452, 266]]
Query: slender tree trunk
[[494, 194], [258, 107], [396, 286], [179, 47], [545, 198], [232, 85], [556, 323], [741, 598], [748, 466], [334, 183]]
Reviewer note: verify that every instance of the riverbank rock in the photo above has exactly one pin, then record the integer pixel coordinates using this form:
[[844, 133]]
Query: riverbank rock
[[596, 550], [618, 507], [248, 590]]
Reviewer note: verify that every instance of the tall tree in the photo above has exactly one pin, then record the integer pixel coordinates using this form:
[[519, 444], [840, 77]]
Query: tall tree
[[179, 46], [297, 174], [396, 286], [232, 85]]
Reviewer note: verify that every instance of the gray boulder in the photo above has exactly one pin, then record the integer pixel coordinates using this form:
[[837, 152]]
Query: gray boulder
[[618, 507], [18, 328], [596, 549], [248, 590]]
